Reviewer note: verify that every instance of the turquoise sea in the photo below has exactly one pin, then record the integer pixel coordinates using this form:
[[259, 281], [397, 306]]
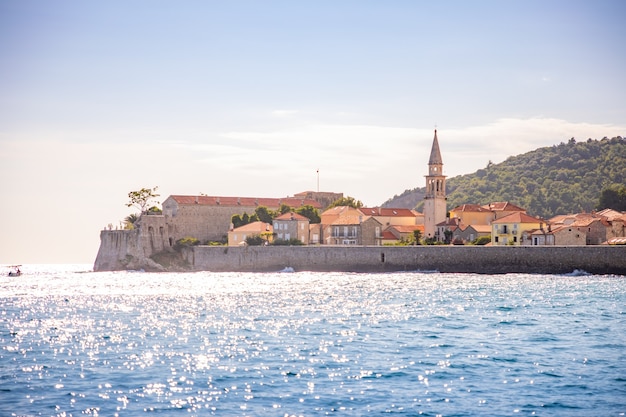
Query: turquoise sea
[[75, 342]]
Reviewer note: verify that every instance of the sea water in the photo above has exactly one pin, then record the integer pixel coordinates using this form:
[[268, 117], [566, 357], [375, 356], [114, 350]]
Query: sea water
[[75, 342]]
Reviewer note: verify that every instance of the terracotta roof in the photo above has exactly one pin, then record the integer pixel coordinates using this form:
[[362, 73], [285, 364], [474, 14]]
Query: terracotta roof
[[243, 201], [502, 206], [387, 211], [481, 228], [578, 219], [518, 217], [407, 228], [470, 208], [387, 235], [617, 241], [291, 216], [259, 227], [349, 220], [611, 214], [450, 221]]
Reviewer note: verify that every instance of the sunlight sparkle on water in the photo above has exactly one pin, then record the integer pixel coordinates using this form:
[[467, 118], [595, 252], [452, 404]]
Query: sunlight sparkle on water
[[81, 342]]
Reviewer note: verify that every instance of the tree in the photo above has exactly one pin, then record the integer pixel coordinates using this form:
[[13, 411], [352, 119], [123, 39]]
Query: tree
[[310, 212], [264, 214], [142, 198], [129, 221], [417, 237], [346, 201], [236, 221], [613, 197]]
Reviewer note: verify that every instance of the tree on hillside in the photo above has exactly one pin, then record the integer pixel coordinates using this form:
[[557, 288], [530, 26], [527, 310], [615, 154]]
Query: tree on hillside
[[142, 198], [564, 178], [346, 201], [613, 197]]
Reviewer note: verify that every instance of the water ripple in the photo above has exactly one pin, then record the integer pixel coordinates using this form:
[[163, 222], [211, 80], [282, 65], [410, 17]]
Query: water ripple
[[311, 343]]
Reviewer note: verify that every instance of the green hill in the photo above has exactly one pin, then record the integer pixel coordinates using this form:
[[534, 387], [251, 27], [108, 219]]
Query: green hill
[[559, 179]]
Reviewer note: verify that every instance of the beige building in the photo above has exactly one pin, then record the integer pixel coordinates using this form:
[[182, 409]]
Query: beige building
[[509, 230], [388, 216], [468, 233], [343, 225], [208, 218], [397, 233], [291, 226], [472, 214], [238, 236]]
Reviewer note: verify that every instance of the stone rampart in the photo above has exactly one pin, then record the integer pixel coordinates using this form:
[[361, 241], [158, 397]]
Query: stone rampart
[[478, 259], [124, 249]]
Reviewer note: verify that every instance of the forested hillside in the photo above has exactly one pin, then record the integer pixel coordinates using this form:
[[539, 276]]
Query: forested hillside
[[559, 179]]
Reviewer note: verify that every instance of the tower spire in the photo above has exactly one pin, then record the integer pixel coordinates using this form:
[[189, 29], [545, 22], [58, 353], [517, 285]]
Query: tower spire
[[435, 153]]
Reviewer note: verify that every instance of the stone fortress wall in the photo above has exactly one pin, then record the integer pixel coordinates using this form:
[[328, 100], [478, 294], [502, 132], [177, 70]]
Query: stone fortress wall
[[603, 259], [128, 249]]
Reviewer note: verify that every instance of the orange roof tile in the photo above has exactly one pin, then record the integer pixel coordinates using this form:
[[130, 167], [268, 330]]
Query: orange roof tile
[[407, 228], [518, 217], [273, 203], [258, 227], [470, 208], [387, 211], [502, 206], [291, 216]]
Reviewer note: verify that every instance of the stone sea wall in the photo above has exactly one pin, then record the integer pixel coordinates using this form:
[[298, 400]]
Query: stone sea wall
[[479, 259], [129, 249]]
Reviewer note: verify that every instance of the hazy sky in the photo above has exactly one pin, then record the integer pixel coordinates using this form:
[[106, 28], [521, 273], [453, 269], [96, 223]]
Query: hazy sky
[[250, 98]]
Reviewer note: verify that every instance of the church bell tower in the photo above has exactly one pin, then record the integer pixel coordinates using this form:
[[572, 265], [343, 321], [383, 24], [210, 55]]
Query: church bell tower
[[435, 198]]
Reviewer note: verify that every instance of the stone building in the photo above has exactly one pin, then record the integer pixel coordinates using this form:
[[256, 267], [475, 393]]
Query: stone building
[[343, 225], [292, 226], [208, 218], [238, 236], [435, 199]]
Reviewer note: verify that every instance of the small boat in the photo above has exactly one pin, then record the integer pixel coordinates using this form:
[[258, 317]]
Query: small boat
[[16, 272]]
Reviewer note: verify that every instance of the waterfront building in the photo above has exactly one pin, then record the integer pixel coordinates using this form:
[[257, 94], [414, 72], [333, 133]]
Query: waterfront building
[[509, 230], [238, 236], [292, 226]]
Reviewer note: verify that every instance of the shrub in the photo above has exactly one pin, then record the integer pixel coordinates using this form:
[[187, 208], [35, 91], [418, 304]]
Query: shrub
[[186, 242], [482, 240], [290, 242], [255, 240]]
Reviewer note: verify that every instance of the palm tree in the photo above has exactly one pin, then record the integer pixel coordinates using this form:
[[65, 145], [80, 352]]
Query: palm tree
[[130, 220]]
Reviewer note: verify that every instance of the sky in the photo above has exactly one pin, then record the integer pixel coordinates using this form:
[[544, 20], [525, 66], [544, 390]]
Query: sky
[[252, 98]]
